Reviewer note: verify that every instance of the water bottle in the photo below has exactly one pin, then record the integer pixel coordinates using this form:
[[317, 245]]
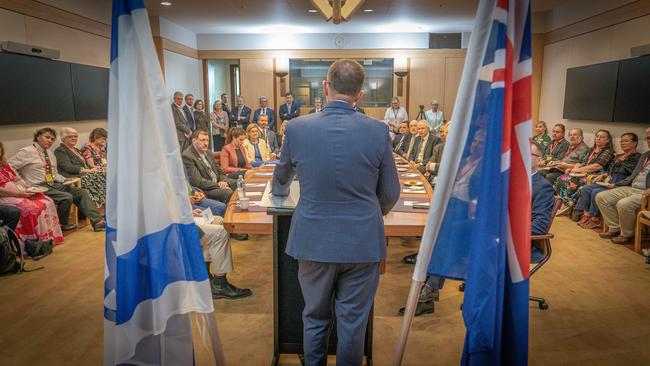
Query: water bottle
[[240, 187]]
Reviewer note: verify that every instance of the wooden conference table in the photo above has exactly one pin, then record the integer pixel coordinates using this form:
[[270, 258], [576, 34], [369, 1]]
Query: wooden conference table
[[403, 220]]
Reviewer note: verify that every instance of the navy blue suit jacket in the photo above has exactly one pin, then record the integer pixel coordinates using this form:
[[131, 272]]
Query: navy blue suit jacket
[[348, 181], [245, 115], [286, 115], [269, 112], [542, 205]]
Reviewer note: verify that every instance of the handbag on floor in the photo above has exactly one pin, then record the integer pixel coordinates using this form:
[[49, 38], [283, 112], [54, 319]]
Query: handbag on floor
[[38, 249], [10, 249]]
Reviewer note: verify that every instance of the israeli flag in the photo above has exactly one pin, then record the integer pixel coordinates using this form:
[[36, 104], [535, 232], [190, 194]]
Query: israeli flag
[[155, 275]]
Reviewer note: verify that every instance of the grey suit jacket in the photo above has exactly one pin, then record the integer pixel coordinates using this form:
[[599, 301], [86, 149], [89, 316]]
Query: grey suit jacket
[[428, 148], [68, 163], [182, 126], [436, 157], [202, 120], [198, 173], [272, 140]]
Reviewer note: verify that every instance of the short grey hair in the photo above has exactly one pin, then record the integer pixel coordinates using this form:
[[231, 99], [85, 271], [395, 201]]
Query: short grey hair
[[577, 129], [68, 131], [317, 99], [435, 101], [263, 97], [177, 93]]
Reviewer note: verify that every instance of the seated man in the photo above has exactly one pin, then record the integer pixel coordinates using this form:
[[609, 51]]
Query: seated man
[[403, 136], [431, 167], [38, 167], [424, 143], [203, 172], [200, 201], [407, 146], [268, 135], [619, 205], [9, 216], [216, 248], [577, 149]]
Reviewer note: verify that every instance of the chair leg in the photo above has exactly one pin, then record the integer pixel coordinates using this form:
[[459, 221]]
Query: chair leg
[[637, 232], [541, 302]]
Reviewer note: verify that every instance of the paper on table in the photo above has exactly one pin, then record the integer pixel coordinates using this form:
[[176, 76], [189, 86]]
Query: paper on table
[[255, 185], [410, 175], [206, 217], [411, 203], [264, 174], [254, 203], [248, 194], [414, 191]]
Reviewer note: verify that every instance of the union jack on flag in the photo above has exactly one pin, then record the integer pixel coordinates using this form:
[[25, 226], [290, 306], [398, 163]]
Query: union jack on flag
[[479, 223]]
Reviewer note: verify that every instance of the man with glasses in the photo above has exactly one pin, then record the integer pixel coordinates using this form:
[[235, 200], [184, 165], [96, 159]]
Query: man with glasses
[[264, 110]]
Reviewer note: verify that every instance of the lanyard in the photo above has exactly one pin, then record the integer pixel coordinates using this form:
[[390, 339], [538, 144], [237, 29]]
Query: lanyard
[[571, 150], [395, 113]]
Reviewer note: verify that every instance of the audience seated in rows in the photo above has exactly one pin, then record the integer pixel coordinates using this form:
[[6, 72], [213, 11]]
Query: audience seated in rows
[[233, 155], [407, 145], [586, 210], [203, 171], [619, 204], [264, 110], [577, 149], [430, 167], [75, 163], [257, 151], [38, 167], [423, 145], [31, 215], [592, 163], [402, 136]]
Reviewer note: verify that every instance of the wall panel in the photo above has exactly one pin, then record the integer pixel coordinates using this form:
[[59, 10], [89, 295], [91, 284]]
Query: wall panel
[[257, 80]]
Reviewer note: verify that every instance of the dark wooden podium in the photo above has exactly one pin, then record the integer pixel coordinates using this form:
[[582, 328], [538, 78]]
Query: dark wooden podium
[[288, 301]]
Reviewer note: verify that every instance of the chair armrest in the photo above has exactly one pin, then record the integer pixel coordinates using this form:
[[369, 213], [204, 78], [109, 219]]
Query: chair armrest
[[645, 202], [542, 237]]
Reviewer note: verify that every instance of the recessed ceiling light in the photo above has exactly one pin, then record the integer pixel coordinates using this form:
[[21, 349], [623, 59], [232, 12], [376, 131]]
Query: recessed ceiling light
[[166, 3], [368, 10], [312, 11]]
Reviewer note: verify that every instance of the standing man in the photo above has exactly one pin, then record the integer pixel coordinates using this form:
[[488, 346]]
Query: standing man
[[188, 108], [289, 110], [183, 130], [225, 106], [338, 263], [434, 117], [264, 110], [241, 114], [318, 106]]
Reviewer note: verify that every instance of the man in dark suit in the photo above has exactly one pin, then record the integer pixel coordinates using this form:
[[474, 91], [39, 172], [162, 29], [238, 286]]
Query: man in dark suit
[[203, 172], [268, 135], [289, 110], [225, 105], [264, 109], [401, 137], [241, 114], [183, 130], [318, 106], [338, 263], [359, 109], [188, 108], [424, 143]]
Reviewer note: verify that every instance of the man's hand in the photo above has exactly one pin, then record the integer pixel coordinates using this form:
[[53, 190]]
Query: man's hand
[[197, 212], [223, 185], [198, 195]]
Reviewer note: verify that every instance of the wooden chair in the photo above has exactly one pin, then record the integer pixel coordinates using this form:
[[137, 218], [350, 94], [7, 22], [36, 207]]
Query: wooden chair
[[642, 220], [542, 243]]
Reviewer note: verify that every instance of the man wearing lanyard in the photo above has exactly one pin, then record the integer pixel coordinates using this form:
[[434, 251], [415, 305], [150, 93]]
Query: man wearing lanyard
[[557, 148], [577, 149], [619, 203], [37, 166]]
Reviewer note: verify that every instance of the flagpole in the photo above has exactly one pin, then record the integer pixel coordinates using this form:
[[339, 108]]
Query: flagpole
[[409, 312], [450, 162], [217, 349]]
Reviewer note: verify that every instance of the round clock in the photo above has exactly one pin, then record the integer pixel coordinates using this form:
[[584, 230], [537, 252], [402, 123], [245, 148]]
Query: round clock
[[339, 41]]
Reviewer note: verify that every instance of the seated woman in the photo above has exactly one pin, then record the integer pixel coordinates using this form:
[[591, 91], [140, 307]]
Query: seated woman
[[233, 156], [95, 150], [72, 164], [38, 217], [541, 134], [257, 153], [595, 161], [621, 168]]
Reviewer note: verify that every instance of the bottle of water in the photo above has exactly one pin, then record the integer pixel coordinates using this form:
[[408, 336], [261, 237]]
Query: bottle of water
[[240, 187]]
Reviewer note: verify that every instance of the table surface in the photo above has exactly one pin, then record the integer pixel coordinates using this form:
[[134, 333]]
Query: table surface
[[396, 223]]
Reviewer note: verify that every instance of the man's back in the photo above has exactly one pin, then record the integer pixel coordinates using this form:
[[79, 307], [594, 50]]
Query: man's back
[[348, 180]]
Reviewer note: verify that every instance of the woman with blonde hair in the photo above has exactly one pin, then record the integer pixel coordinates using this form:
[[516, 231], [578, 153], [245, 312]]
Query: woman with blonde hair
[[257, 150], [219, 122], [541, 134]]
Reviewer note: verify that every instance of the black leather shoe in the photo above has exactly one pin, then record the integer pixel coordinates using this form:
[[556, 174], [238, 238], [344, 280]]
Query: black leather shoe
[[239, 236], [427, 294], [422, 308], [410, 259], [222, 289], [99, 226], [68, 227]]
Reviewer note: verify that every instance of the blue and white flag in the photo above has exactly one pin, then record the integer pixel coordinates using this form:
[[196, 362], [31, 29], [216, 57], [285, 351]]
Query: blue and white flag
[[155, 274]]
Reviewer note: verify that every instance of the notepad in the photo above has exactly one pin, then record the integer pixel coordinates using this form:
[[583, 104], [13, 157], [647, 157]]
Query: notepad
[[248, 194]]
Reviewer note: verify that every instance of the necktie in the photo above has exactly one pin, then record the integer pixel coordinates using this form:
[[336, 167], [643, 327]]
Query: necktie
[[190, 119], [416, 148], [399, 144], [49, 176], [264, 111]]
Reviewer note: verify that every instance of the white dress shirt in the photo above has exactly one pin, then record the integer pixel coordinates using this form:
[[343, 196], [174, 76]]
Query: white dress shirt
[[29, 163]]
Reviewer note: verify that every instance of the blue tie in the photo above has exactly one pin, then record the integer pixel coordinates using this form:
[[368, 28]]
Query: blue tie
[[190, 118]]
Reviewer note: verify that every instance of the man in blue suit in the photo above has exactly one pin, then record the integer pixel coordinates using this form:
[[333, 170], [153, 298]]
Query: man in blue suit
[[241, 114], [289, 110], [348, 181], [264, 110]]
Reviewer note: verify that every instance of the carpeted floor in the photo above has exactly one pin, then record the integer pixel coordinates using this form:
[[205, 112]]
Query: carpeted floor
[[599, 297]]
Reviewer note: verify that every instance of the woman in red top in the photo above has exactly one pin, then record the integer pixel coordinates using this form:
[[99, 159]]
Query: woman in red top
[[38, 216], [233, 155]]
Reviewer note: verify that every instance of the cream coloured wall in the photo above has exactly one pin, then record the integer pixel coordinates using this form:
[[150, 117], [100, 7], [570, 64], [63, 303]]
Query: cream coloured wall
[[184, 74], [608, 44], [256, 80]]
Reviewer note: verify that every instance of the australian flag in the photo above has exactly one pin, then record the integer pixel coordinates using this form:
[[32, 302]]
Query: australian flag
[[480, 216]]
